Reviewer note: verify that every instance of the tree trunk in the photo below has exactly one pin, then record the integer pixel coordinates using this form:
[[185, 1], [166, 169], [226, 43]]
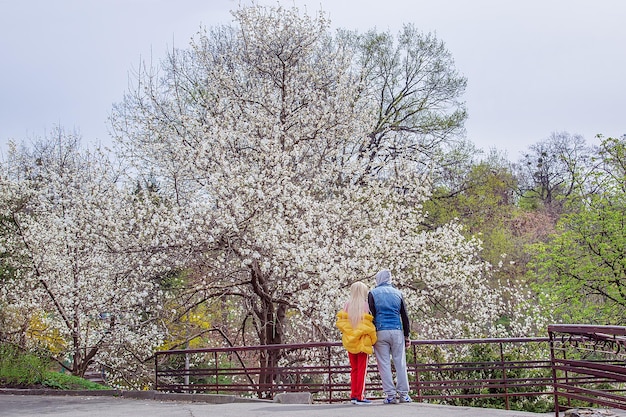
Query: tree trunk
[[271, 317]]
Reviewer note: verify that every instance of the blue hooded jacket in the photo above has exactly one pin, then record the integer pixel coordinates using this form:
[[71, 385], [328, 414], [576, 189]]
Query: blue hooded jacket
[[387, 305]]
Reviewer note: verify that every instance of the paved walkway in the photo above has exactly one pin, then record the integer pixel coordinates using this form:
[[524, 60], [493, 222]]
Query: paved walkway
[[35, 403], [12, 405]]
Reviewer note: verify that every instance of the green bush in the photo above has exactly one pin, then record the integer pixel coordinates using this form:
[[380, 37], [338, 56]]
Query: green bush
[[27, 370], [20, 369], [61, 381]]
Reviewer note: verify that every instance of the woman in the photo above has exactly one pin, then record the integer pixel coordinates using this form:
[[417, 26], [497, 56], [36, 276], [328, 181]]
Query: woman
[[358, 337]]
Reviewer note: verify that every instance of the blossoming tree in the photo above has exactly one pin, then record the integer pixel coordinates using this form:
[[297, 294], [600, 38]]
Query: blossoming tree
[[86, 256], [257, 131]]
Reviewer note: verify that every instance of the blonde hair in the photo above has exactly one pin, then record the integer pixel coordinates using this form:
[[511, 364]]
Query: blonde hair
[[356, 307]]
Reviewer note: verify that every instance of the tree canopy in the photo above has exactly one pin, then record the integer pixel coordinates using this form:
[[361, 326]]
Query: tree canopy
[[259, 131], [582, 268]]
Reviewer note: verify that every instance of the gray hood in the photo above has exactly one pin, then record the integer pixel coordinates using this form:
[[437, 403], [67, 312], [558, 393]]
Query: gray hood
[[383, 277]]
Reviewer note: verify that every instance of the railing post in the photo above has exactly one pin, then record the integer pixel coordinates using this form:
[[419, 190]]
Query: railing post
[[569, 400], [187, 387], [330, 376], [272, 373], [156, 371], [217, 373], [506, 390], [418, 384], [554, 379]]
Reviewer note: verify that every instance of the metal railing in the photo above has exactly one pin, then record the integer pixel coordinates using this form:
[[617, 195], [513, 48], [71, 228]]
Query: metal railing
[[588, 364], [574, 366], [508, 369], [502, 370]]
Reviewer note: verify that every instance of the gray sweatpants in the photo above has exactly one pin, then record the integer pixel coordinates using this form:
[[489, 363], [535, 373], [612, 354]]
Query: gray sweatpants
[[390, 346]]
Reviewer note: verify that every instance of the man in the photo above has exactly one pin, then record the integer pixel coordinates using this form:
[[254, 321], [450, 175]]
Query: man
[[392, 331]]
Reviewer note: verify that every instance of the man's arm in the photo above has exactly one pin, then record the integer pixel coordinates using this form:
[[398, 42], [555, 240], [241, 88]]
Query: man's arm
[[406, 325], [370, 302]]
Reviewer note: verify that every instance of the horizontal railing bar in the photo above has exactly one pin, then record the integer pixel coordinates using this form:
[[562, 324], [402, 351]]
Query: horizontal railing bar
[[419, 342], [587, 329], [590, 393], [614, 376]]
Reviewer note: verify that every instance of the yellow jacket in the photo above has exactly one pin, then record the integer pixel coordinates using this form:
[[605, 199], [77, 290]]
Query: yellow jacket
[[360, 339]]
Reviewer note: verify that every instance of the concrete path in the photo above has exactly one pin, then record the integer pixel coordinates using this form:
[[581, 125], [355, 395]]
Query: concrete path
[[12, 405]]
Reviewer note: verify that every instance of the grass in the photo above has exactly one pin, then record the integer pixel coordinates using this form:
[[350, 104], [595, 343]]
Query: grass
[[27, 370], [57, 380]]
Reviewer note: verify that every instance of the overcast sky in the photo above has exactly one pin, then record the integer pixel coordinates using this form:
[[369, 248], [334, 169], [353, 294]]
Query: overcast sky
[[533, 66]]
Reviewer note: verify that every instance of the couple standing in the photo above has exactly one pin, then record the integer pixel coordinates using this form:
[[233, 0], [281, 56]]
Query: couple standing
[[376, 321]]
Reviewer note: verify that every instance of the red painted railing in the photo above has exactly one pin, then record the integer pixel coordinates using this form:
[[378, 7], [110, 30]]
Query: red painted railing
[[588, 365], [323, 370], [506, 373]]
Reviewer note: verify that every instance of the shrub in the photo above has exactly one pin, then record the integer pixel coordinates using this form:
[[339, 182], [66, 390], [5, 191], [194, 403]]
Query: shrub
[[20, 369]]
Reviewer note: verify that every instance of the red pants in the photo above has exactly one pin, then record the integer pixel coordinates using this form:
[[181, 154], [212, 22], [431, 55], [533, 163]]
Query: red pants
[[358, 369]]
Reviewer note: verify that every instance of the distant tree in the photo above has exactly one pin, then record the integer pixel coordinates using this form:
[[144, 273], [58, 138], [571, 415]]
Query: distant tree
[[582, 269], [552, 170], [477, 193], [610, 162], [416, 90]]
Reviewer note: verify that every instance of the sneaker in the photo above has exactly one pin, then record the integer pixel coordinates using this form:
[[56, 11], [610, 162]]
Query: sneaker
[[390, 400], [353, 400], [404, 398], [364, 401]]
